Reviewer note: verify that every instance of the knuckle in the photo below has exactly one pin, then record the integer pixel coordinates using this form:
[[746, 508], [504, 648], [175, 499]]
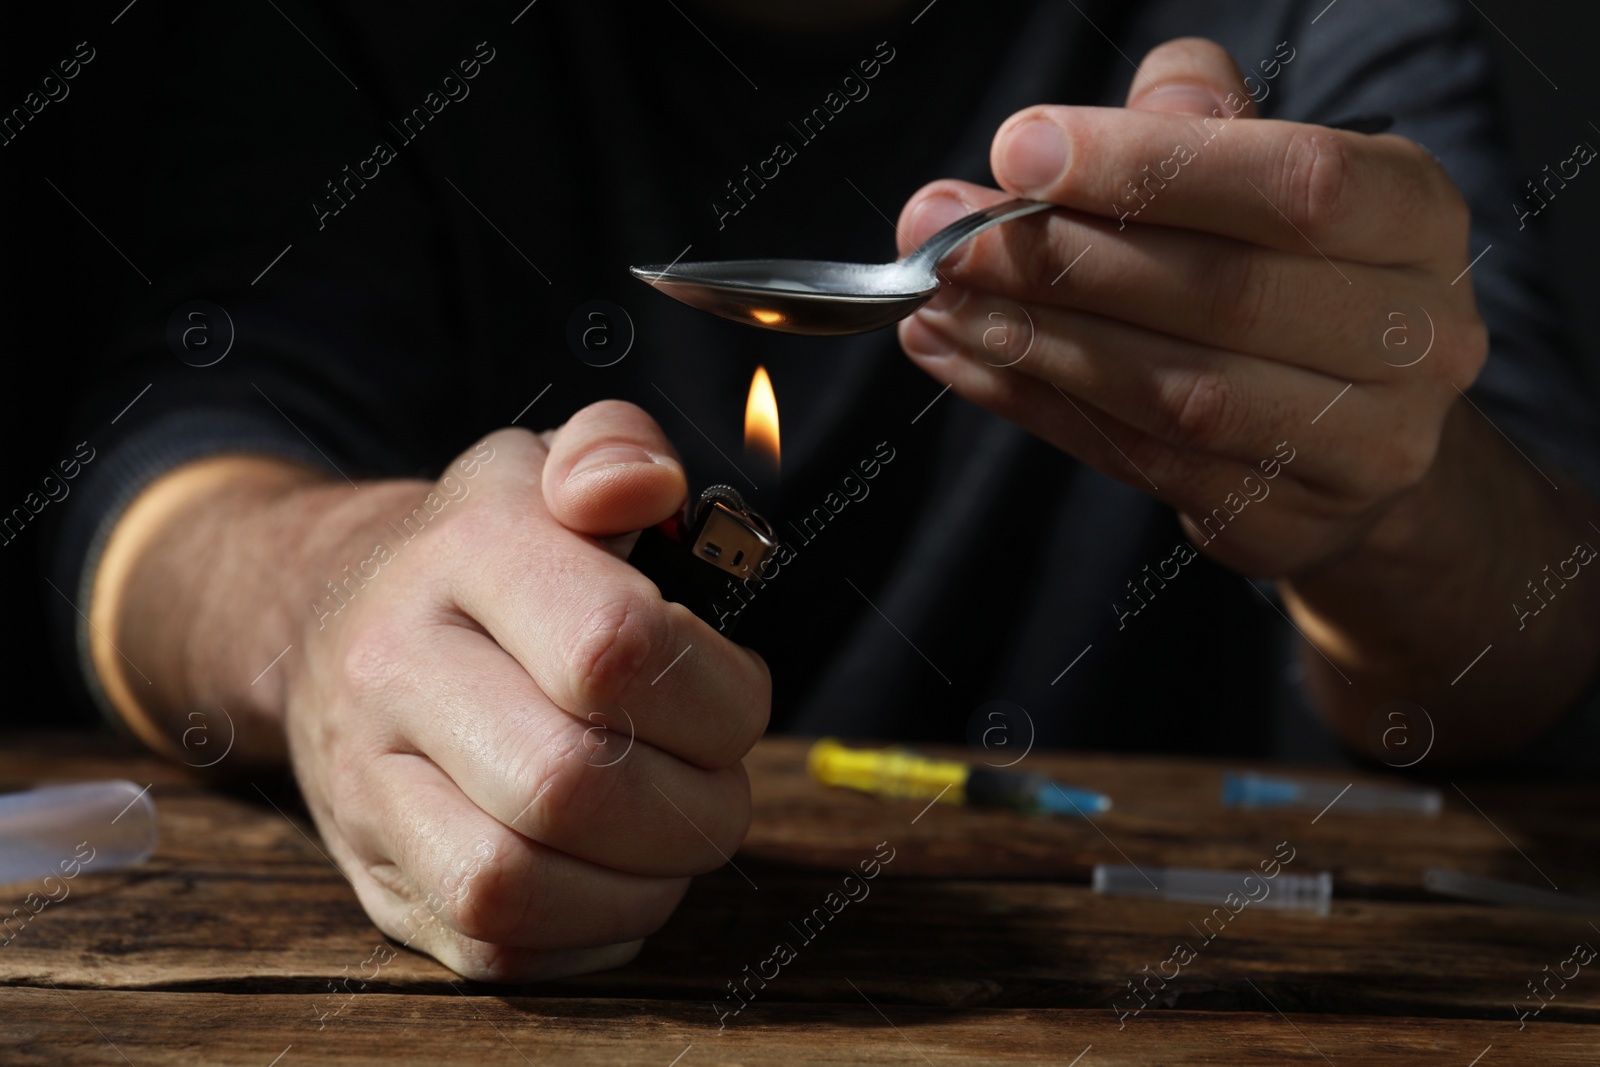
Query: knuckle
[[1038, 251], [1403, 459], [566, 789], [1454, 213], [1474, 347], [1411, 457], [447, 522], [487, 901], [1437, 196], [741, 813], [724, 830], [1186, 48], [762, 704], [1463, 349], [747, 723], [1239, 288], [1316, 167], [612, 409], [442, 530], [354, 778], [513, 438], [1196, 408], [609, 649], [465, 535], [374, 660], [509, 453]]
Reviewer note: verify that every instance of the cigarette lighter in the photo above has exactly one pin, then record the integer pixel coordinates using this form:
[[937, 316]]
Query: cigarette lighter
[[695, 557]]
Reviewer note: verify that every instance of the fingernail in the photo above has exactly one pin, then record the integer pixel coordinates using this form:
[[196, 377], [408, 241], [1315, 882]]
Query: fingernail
[[610, 456], [1181, 100], [949, 297], [922, 341], [1035, 155], [934, 214]]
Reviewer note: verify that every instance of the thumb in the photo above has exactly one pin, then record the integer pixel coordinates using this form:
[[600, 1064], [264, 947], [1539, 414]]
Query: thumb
[[1191, 76], [611, 470]]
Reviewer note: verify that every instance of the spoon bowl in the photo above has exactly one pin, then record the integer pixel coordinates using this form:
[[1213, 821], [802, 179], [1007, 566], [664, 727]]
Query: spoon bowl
[[822, 297], [803, 296]]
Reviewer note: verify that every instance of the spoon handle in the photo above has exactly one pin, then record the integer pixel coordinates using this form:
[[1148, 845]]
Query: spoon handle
[[946, 240]]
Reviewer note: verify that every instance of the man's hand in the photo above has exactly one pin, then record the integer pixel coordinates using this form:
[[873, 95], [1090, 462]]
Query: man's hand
[[514, 748], [1207, 320], [1219, 306]]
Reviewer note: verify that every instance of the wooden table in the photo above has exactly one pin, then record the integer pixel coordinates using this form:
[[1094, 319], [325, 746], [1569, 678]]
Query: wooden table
[[980, 942]]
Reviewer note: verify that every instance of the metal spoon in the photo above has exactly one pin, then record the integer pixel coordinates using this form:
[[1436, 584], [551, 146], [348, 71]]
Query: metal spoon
[[819, 297]]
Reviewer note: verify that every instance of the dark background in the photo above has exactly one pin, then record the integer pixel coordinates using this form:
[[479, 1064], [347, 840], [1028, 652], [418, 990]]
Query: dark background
[[58, 276]]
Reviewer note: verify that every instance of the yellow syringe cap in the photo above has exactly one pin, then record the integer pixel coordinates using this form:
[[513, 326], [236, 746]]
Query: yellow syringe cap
[[886, 772]]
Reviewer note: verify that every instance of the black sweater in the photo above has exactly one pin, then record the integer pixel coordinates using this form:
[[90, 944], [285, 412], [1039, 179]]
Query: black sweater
[[404, 216]]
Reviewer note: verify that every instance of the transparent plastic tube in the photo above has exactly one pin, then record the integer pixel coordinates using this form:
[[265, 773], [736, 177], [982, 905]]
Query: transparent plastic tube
[[1250, 790], [64, 829], [1286, 892], [1511, 894]]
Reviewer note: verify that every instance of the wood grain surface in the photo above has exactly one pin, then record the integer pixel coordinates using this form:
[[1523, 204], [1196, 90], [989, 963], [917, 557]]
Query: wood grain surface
[[981, 942]]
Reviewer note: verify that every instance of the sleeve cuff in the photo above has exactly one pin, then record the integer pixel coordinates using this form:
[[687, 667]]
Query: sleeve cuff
[[115, 480]]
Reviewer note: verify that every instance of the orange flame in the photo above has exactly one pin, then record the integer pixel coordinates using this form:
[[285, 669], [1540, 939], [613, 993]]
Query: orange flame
[[761, 419]]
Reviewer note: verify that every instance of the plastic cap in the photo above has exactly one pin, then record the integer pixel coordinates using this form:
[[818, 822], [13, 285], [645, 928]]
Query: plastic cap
[[65, 829]]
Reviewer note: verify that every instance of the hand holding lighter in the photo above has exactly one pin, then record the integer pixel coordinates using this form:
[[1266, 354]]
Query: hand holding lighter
[[694, 557]]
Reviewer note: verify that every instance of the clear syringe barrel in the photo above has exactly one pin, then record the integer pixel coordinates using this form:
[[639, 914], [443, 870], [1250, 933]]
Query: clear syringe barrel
[[1288, 892], [1250, 790], [64, 829]]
